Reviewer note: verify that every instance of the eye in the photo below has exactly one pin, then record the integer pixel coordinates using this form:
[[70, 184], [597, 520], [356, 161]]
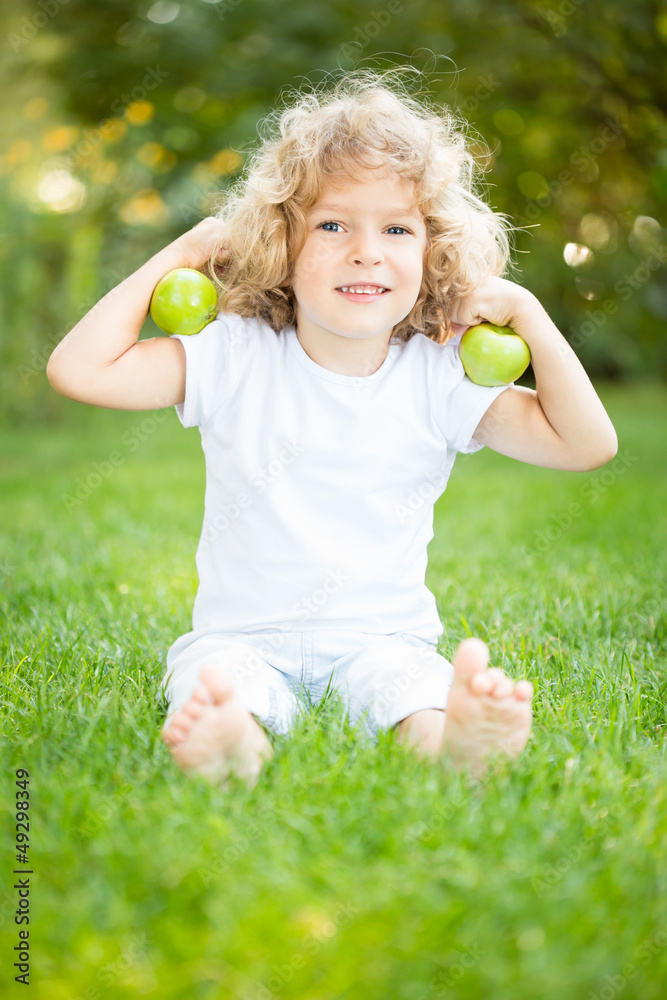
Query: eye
[[323, 224]]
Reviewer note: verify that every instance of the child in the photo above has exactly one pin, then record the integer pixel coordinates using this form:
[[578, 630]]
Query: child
[[328, 392]]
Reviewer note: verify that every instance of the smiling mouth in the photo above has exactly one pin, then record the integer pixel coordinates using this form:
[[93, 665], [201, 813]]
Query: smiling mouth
[[363, 289]]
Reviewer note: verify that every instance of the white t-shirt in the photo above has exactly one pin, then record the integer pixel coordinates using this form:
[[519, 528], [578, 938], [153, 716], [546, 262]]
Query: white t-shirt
[[320, 487]]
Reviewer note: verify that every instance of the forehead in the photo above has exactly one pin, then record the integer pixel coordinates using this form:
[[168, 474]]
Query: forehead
[[377, 187]]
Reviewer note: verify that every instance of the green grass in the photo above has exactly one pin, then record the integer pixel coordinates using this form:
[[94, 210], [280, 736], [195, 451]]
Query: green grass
[[351, 870]]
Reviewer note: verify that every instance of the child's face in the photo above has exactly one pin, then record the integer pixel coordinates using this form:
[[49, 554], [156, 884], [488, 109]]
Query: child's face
[[353, 238]]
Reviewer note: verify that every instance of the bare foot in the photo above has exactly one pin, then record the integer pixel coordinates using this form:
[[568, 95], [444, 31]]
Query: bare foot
[[214, 734], [486, 712]]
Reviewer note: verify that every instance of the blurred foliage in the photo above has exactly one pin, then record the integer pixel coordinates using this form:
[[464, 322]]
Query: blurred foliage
[[127, 119]]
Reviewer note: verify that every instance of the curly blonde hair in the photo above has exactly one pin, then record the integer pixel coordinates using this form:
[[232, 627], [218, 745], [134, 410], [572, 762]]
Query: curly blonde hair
[[363, 121]]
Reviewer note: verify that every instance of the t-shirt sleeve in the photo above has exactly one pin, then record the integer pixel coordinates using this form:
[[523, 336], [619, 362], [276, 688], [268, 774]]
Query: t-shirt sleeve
[[206, 372], [458, 403]]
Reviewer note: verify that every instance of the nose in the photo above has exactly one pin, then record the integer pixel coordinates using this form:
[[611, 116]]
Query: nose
[[366, 249]]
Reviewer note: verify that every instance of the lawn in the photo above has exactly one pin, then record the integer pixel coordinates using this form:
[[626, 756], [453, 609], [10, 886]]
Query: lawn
[[350, 870]]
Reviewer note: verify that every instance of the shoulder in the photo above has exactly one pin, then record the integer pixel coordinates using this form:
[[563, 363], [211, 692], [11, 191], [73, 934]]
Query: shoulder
[[440, 361], [234, 334]]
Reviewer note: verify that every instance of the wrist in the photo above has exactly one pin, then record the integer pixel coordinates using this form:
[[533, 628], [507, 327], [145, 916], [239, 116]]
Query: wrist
[[529, 317], [172, 256]]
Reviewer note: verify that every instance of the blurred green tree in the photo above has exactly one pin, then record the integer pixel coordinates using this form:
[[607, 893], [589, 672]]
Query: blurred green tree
[[128, 119]]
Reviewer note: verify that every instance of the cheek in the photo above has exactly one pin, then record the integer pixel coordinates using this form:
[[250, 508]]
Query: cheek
[[307, 264], [417, 273]]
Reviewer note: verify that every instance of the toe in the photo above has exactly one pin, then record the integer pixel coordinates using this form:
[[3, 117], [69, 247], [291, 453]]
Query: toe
[[174, 733], [524, 690], [201, 695], [481, 683], [175, 719], [470, 658], [502, 684], [194, 709]]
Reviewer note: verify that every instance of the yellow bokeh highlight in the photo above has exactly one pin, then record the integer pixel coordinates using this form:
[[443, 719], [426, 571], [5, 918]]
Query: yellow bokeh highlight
[[35, 108], [202, 173], [113, 129], [155, 156], [139, 112], [19, 151], [104, 172], [315, 920], [59, 138], [150, 154], [146, 209], [225, 162]]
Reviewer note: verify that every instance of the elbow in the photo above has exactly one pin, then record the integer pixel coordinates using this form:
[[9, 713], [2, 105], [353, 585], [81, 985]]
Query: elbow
[[53, 376], [57, 377], [606, 450]]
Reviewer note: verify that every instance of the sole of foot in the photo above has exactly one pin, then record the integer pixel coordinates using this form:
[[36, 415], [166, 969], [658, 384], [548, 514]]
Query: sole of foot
[[214, 735], [487, 714]]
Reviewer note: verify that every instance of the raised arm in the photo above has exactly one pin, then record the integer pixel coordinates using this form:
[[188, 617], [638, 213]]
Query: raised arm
[[101, 360], [561, 424]]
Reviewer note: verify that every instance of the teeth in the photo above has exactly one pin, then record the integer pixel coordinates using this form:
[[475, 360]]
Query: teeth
[[363, 291]]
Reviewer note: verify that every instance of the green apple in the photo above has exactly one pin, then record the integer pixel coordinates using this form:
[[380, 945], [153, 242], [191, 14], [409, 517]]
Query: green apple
[[493, 355], [184, 301]]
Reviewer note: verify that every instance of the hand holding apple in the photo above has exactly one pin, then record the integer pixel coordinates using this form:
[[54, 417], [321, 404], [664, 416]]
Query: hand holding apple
[[183, 301], [493, 355]]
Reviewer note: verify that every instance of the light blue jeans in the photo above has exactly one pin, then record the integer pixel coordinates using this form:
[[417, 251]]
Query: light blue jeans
[[381, 679]]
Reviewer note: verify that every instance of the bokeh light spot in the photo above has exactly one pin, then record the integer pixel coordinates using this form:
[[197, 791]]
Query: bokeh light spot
[[139, 112], [508, 122], [163, 12], [578, 255], [35, 108], [61, 192], [146, 209], [532, 185], [189, 99]]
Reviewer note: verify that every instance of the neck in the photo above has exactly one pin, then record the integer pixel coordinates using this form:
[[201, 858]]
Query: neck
[[345, 355]]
